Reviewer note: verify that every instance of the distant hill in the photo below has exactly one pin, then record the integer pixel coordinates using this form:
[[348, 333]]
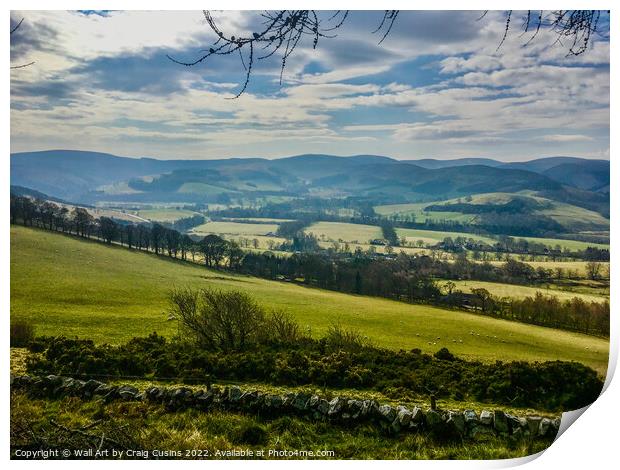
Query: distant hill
[[591, 176], [433, 164], [88, 177], [588, 174]]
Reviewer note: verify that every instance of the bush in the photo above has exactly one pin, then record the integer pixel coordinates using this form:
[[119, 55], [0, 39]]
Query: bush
[[339, 338], [218, 320], [282, 328], [22, 334], [552, 386], [444, 355]]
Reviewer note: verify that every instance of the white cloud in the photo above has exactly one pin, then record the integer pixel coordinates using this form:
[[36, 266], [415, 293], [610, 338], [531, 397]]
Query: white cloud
[[477, 95]]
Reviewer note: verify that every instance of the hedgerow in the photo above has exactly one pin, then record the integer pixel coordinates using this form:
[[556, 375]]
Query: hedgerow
[[554, 385]]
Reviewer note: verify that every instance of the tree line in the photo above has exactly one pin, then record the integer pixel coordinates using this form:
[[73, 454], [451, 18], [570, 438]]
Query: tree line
[[422, 279], [310, 210], [408, 278]]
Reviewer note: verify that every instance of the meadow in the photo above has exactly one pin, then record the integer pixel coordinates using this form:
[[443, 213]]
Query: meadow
[[165, 214], [433, 237], [576, 267], [234, 228], [72, 287], [339, 231], [520, 292], [570, 216]]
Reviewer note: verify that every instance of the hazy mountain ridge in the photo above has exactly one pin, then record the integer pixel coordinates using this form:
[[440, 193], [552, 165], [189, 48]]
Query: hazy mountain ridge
[[89, 176]]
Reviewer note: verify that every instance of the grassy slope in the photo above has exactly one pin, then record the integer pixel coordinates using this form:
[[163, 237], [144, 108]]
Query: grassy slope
[[346, 232], [71, 287], [235, 228], [566, 214], [165, 215], [519, 292], [432, 237]]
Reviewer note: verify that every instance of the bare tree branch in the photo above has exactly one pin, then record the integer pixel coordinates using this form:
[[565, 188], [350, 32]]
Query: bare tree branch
[[15, 28], [282, 31]]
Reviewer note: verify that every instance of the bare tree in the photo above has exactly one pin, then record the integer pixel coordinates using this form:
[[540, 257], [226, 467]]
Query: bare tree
[[282, 31]]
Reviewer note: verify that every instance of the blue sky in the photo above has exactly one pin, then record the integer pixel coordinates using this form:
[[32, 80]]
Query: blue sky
[[437, 87]]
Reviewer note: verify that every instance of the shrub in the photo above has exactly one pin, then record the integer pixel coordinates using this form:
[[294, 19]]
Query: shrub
[[281, 327], [553, 385], [339, 338], [218, 320], [444, 355], [22, 334]]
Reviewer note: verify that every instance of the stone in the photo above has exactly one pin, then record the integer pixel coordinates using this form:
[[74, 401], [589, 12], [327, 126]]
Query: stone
[[54, 380], [533, 424], [470, 416], [234, 394], [91, 386], [432, 418], [300, 402], [323, 407], [111, 394], [387, 413], [500, 422], [336, 406], [417, 416], [544, 427], [102, 390], [205, 400], [127, 392], [513, 422], [404, 416], [288, 399], [486, 417], [458, 420], [181, 394], [355, 408], [314, 401], [370, 409]]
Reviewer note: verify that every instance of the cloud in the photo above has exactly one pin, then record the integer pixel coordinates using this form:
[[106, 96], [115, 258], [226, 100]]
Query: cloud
[[567, 138], [438, 85]]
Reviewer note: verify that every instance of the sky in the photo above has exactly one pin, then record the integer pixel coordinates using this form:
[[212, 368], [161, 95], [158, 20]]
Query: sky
[[437, 87]]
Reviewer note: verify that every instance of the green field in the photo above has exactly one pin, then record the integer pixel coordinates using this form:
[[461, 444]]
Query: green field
[[432, 237], [165, 215], [338, 231], [416, 209], [572, 217], [107, 293], [519, 292], [572, 245], [575, 267], [256, 220], [234, 229]]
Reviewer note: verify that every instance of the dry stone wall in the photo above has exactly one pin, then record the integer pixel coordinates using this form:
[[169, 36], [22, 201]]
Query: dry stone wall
[[339, 410]]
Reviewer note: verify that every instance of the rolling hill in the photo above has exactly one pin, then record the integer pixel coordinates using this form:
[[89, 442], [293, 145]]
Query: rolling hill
[[66, 286], [573, 218], [89, 177]]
